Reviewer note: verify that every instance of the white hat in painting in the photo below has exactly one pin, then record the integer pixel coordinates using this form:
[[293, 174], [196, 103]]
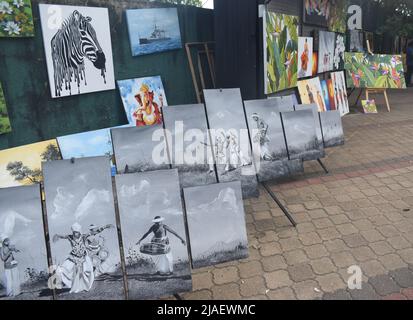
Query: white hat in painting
[[158, 219], [76, 227]]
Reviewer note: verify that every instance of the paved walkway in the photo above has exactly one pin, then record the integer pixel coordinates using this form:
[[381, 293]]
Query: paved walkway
[[360, 214]]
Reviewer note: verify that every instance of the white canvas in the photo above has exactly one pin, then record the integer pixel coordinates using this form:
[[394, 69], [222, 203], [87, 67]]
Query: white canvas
[[94, 64], [305, 57]]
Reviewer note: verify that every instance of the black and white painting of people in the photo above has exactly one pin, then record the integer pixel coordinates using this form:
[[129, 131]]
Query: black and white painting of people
[[300, 134], [189, 144], [230, 139], [78, 49], [153, 234], [314, 108], [285, 103], [332, 126], [216, 223], [82, 227], [140, 149], [23, 266], [267, 137]]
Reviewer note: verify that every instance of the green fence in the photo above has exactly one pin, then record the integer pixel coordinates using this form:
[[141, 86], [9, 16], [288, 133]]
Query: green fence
[[35, 116]]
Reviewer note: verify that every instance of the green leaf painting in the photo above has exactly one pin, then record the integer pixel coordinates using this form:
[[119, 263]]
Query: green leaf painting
[[337, 19], [16, 18], [377, 71], [280, 50], [4, 117]]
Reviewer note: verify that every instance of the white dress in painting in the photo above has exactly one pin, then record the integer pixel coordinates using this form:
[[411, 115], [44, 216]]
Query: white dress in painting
[[11, 271]]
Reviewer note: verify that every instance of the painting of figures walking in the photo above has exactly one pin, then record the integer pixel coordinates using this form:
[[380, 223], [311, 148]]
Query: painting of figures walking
[[78, 49], [311, 92], [326, 50], [280, 51], [230, 139], [317, 12], [268, 143], [23, 262], [22, 165], [340, 95], [319, 133], [16, 19], [5, 126], [189, 144], [143, 100], [82, 227], [300, 133], [153, 234], [153, 30], [140, 149], [305, 57], [377, 71], [332, 128], [216, 223]]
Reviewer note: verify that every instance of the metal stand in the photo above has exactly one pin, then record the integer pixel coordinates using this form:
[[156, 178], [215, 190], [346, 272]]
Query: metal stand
[[178, 297], [323, 166], [284, 209]]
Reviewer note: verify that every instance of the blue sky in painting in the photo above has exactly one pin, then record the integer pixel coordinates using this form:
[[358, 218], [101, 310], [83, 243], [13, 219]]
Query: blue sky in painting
[[129, 88]]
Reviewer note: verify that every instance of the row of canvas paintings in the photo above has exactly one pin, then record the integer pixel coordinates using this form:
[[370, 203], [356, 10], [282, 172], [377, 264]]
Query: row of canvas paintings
[[330, 94], [85, 250]]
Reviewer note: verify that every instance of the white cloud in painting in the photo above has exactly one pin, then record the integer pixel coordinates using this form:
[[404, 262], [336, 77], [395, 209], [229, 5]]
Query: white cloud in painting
[[94, 199]]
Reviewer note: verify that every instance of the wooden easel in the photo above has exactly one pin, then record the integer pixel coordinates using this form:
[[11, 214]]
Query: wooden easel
[[376, 91]]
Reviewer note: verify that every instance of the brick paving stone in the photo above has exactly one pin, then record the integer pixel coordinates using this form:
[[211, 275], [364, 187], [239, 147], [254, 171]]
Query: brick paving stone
[[250, 269], [290, 244], [277, 279], [287, 233], [202, 280], [372, 235], [407, 255], [339, 295], [333, 210], [323, 266], [281, 294], [310, 238], [202, 295], [343, 259], [273, 263], [265, 225], [305, 227], [384, 285], [366, 293], [408, 293], [316, 251], [340, 219], [355, 240], [329, 234], [301, 272], [252, 286], [317, 214], [399, 242], [310, 205], [267, 236], [403, 277], [392, 261], [336, 245], [331, 282], [347, 229], [395, 296], [295, 257], [323, 223], [372, 268], [388, 231], [363, 224], [225, 275], [381, 248], [363, 254], [228, 291], [306, 290], [270, 249]]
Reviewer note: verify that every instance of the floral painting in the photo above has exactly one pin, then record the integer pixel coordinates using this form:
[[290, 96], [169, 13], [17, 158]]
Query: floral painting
[[369, 106], [377, 71], [16, 18], [280, 51]]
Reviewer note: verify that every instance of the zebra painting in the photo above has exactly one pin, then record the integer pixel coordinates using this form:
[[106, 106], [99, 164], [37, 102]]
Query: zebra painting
[[78, 49]]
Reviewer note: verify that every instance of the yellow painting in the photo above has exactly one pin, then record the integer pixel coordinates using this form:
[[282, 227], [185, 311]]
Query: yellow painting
[[22, 165]]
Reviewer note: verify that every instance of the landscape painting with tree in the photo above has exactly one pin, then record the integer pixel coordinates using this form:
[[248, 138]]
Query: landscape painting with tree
[[216, 224], [23, 265], [78, 49], [5, 126], [332, 127], [153, 233], [153, 30], [16, 19], [82, 227], [22, 165], [280, 51], [377, 71]]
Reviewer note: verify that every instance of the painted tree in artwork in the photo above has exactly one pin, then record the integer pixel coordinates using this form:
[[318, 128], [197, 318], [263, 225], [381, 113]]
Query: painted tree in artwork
[[282, 46], [51, 153]]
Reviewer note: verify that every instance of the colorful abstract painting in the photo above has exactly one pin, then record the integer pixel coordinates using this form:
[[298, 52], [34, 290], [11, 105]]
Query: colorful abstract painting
[[16, 18], [369, 106], [311, 92], [337, 19], [5, 126], [375, 71], [324, 88], [315, 64], [280, 51], [153, 30], [330, 88], [22, 165], [143, 100], [305, 57]]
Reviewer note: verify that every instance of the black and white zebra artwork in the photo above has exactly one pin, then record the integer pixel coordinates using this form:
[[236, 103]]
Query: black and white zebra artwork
[[78, 49]]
